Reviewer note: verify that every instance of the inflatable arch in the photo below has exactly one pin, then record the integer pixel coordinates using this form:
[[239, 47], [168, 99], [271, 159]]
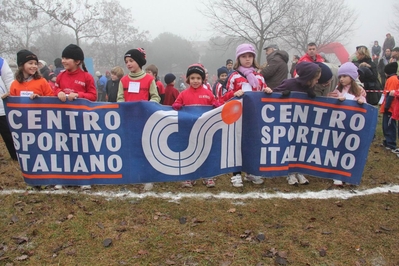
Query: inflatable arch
[[335, 48]]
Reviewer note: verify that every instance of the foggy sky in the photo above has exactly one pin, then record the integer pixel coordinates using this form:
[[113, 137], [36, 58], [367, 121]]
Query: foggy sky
[[181, 17]]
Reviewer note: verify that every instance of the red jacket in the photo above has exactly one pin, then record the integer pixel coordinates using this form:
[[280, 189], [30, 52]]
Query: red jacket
[[78, 81], [235, 81], [392, 84], [144, 91], [160, 86], [171, 94], [199, 96]]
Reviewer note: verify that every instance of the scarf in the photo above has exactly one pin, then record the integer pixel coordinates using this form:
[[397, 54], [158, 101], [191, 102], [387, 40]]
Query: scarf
[[250, 76]]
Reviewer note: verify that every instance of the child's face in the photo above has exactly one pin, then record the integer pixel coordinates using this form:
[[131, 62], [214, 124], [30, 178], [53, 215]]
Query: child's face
[[132, 65], [246, 60], [314, 81], [150, 72], [114, 77], [30, 67], [54, 79], [229, 66], [70, 64], [345, 80], [195, 80], [223, 77]]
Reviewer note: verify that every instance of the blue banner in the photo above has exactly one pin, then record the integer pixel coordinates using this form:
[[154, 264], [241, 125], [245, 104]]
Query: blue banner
[[83, 142]]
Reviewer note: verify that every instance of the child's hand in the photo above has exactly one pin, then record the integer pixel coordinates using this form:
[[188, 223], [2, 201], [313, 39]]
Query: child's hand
[[268, 90], [62, 96], [285, 93], [359, 101], [239, 93], [341, 99], [177, 106], [5, 95], [216, 104], [392, 93], [333, 94], [33, 96], [73, 96]]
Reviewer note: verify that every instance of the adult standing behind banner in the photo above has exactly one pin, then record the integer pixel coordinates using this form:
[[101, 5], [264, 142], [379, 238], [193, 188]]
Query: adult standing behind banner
[[368, 74], [6, 78], [311, 55], [137, 85], [384, 60], [276, 69], [375, 52], [389, 42]]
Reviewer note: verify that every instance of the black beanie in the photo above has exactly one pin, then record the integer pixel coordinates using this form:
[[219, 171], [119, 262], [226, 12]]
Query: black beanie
[[196, 68], [74, 52], [138, 55], [229, 61], [24, 56], [222, 70], [391, 68], [169, 78], [326, 73]]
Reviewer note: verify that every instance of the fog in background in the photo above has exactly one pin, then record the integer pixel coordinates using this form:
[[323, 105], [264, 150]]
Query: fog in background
[[182, 17]]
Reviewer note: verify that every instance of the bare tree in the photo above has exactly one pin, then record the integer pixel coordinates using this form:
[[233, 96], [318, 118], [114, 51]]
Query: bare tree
[[319, 21], [252, 21], [117, 35], [18, 26], [78, 15]]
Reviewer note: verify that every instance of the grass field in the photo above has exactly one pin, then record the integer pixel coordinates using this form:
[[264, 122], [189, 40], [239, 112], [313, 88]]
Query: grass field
[[80, 228]]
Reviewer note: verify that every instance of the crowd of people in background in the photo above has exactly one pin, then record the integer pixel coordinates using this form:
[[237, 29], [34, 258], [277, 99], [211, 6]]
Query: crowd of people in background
[[368, 75]]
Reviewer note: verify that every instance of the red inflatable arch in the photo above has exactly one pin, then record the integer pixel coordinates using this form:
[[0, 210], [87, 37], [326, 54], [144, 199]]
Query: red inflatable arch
[[337, 49]]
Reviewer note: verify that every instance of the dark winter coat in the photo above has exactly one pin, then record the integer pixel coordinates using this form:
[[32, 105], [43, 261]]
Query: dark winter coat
[[277, 69]]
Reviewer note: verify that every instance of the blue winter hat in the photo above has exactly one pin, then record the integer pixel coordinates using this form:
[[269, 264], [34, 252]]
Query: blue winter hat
[[169, 78], [222, 70]]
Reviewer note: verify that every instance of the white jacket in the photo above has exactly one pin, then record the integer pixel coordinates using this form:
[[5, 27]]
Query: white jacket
[[6, 78]]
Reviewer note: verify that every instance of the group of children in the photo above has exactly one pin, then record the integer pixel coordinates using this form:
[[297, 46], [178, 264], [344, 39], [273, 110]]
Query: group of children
[[139, 85]]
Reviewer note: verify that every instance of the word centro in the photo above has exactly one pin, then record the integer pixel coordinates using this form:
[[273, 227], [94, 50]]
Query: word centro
[[62, 151]]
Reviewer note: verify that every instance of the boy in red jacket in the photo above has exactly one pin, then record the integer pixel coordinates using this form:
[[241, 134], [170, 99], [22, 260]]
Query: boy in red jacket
[[171, 92]]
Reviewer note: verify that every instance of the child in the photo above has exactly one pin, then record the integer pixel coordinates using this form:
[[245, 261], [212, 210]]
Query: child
[[74, 82], [137, 85], [308, 74], [28, 81], [196, 94], [218, 86], [389, 106], [113, 84], [244, 78], [153, 71], [52, 78], [171, 92], [348, 89]]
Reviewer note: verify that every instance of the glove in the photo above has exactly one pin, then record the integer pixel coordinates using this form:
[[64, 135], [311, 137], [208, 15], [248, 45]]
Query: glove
[[285, 93], [216, 104], [177, 106], [311, 94]]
